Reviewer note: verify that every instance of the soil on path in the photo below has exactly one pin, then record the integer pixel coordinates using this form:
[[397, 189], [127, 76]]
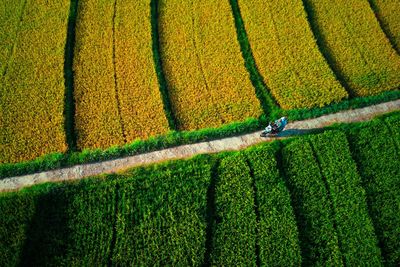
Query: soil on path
[[186, 151]]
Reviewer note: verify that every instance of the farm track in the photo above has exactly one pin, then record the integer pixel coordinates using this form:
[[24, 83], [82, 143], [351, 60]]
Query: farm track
[[186, 151]]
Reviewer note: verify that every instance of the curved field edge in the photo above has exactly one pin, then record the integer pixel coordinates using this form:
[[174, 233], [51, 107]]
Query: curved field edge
[[58, 160]]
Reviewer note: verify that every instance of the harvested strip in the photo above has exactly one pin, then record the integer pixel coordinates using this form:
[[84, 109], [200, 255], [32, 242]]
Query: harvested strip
[[388, 12], [208, 83], [378, 162], [137, 86], [287, 55], [97, 118], [234, 236], [10, 21], [319, 240], [354, 40], [277, 234], [32, 90], [358, 242]]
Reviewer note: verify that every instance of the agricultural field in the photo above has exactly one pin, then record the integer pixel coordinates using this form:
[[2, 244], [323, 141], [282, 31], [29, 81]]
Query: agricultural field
[[32, 79], [322, 199], [86, 78], [287, 55], [387, 13], [358, 48], [207, 81]]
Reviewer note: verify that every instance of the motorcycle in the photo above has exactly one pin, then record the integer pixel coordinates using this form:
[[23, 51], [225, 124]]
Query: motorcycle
[[274, 128]]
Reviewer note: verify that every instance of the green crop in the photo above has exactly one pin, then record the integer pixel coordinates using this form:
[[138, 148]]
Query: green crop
[[378, 162], [277, 235], [312, 206], [358, 242], [234, 236]]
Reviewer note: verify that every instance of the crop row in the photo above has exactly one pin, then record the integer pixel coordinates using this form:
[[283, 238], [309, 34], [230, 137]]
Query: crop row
[[208, 84], [377, 157], [277, 234], [312, 206], [161, 216], [142, 110], [32, 83], [388, 13], [359, 49], [287, 55], [234, 234], [358, 242]]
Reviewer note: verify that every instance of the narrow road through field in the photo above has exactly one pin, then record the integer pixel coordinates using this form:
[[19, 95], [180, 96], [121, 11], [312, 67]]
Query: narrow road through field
[[186, 151]]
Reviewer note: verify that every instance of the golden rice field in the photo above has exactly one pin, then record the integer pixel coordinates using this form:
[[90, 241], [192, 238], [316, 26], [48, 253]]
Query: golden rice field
[[208, 82], [32, 82], [360, 49], [388, 12], [145, 68], [287, 55]]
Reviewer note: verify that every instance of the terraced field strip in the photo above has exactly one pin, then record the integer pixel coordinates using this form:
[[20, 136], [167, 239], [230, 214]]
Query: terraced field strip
[[139, 97], [355, 43], [287, 55], [185, 151], [377, 158], [234, 239], [317, 232], [11, 16], [277, 233], [387, 12], [161, 216], [348, 199], [97, 118], [207, 82], [32, 89]]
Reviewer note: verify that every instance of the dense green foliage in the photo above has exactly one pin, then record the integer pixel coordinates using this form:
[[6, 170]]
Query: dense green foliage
[[378, 161], [354, 227], [234, 240], [312, 206], [161, 216], [277, 236]]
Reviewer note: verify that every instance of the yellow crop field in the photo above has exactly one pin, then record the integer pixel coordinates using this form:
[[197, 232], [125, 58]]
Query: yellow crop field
[[32, 88], [207, 81], [97, 119], [357, 44], [287, 55], [389, 13], [10, 15], [141, 105]]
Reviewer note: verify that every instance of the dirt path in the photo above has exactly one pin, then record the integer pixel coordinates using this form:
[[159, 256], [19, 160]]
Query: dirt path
[[185, 151]]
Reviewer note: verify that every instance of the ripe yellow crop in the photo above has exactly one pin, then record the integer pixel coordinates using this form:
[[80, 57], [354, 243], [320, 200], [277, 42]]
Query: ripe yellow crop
[[10, 14], [32, 88], [389, 14], [357, 44], [207, 81], [137, 85], [97, 119], [287, 55]]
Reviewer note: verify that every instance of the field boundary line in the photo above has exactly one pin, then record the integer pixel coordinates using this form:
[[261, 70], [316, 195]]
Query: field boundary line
[[114, 59], [186, 151], [69, 102]]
